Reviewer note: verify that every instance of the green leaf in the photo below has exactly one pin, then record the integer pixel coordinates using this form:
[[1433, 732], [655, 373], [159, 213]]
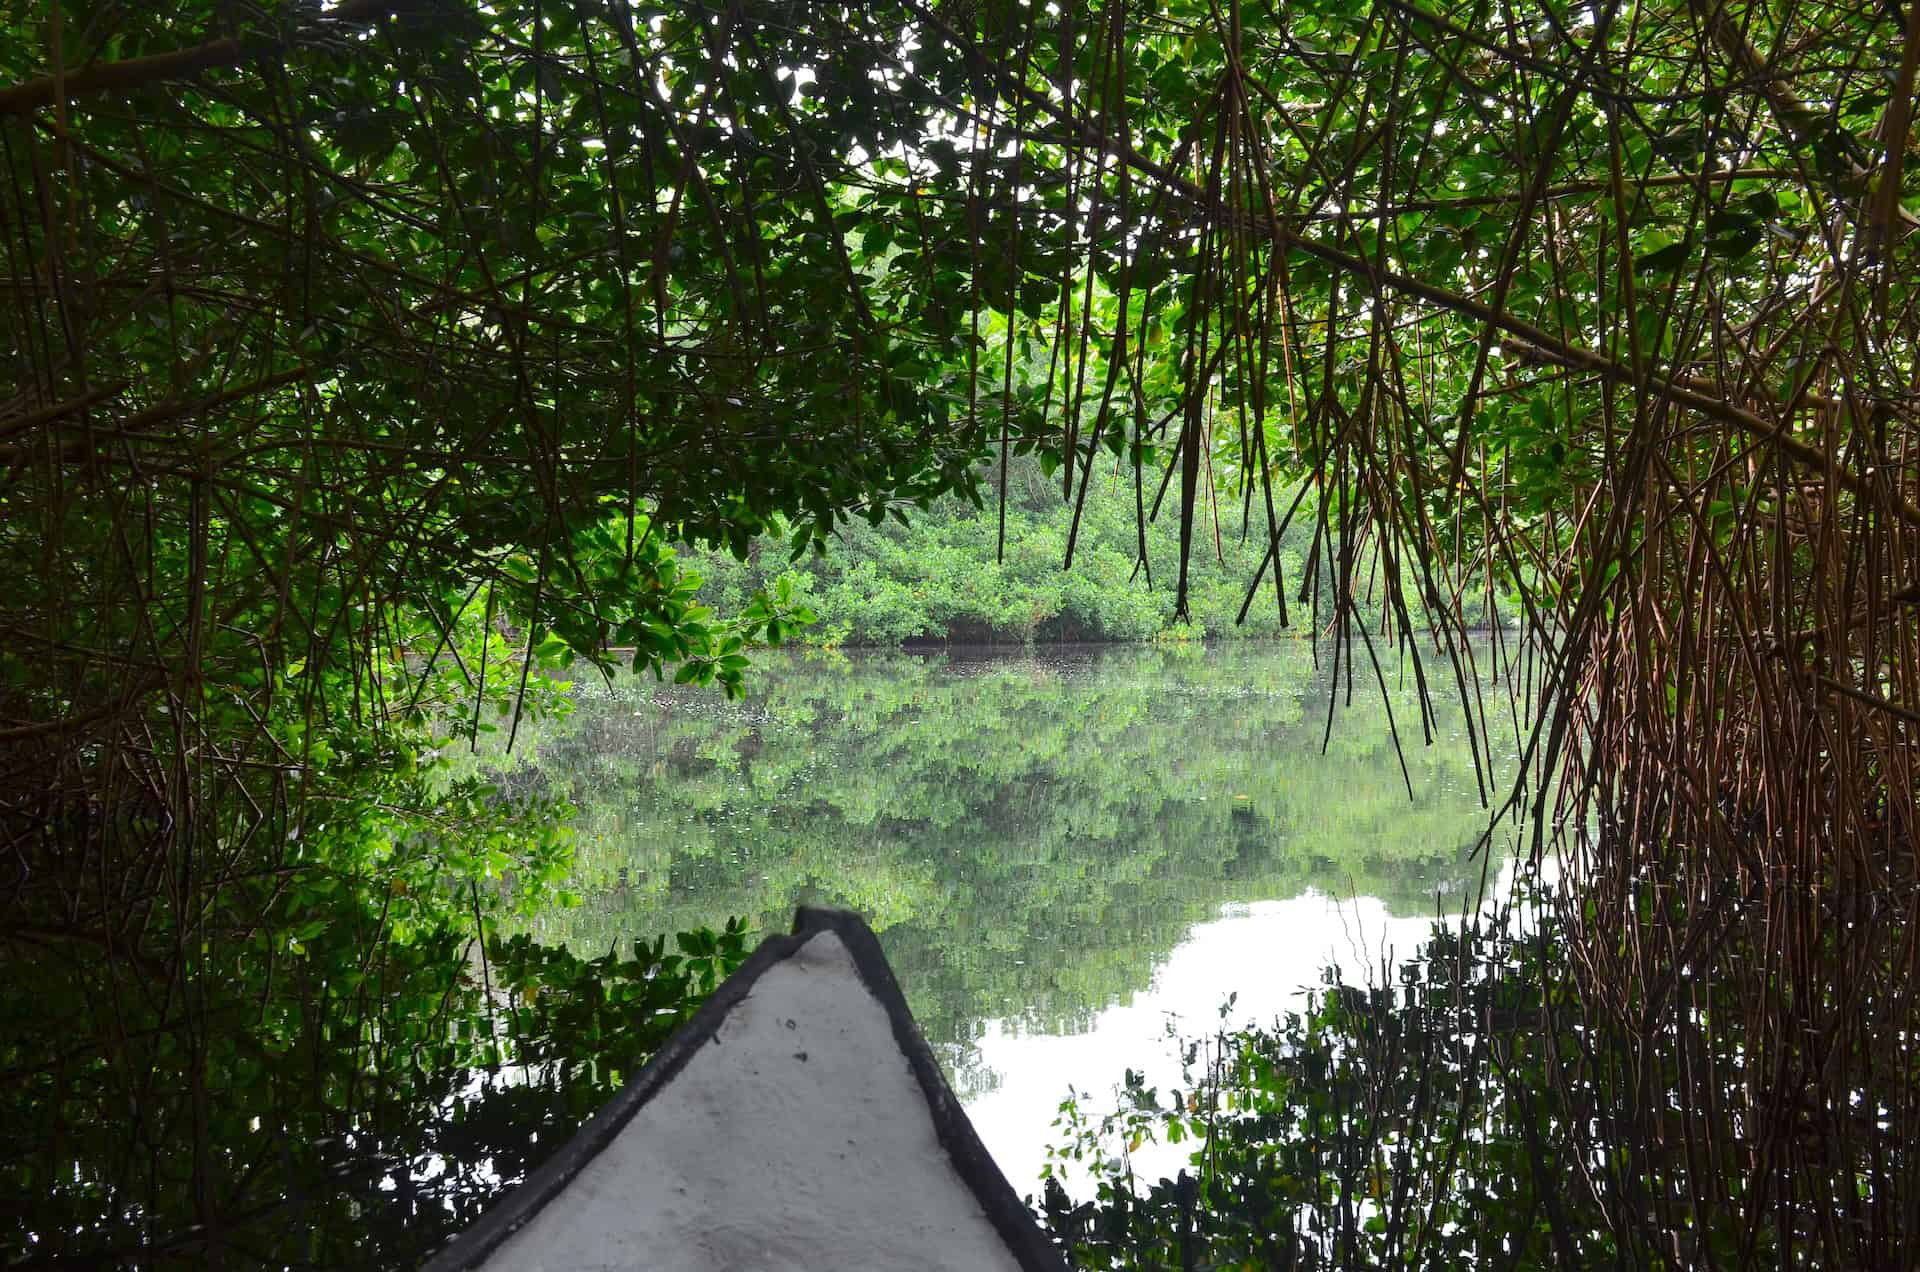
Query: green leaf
[[1664, 261]]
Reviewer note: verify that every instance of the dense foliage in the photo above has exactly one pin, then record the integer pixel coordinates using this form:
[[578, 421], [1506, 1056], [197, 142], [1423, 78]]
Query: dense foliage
[[966, 574], [335, 338], [330, 1056], [337, 335], [1419, 1123], [1439, 1117]]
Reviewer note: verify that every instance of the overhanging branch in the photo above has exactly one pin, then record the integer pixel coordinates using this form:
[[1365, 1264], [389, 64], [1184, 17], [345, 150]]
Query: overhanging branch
[[155, 68], [1681, 392]]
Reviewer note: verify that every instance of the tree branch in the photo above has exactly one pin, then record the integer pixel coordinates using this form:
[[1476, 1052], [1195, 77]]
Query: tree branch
[[1678, 391], [138, 72]]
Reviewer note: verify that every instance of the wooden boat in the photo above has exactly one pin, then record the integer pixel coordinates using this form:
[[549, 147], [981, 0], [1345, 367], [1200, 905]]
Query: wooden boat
[[797, 1121]]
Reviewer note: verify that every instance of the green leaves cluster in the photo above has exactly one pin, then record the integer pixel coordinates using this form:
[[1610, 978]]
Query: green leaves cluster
[[1420, 1123], [949, 577], [346, 1054]]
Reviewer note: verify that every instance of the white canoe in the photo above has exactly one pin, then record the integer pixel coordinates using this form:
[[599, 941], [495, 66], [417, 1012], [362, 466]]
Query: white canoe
[[797, 1121]]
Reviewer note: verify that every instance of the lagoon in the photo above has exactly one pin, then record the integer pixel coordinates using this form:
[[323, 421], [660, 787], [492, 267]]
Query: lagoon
[[1069, 853]]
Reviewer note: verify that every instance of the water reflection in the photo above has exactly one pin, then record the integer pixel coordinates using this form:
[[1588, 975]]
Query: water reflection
[[1248, 967], [1032, 835]]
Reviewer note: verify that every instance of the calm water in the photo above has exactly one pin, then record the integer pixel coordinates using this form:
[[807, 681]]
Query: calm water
[[1063, 852]]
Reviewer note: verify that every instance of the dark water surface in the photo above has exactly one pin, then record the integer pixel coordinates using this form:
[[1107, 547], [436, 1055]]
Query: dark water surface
[[1060, 849]]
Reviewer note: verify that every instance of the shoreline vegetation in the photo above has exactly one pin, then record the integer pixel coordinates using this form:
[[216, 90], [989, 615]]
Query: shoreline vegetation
[[343, 337], [950, 578]]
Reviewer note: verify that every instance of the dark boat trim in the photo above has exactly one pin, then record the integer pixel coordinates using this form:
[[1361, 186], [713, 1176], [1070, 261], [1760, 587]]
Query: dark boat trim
[[1017, 1228]]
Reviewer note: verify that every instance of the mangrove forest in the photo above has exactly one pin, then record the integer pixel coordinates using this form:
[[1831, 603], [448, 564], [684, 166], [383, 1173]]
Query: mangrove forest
[[1401, 513]]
